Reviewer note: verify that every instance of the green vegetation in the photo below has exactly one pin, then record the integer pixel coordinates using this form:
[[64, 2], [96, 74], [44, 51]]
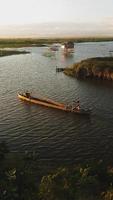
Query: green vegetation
[[99, 68], [25, 42], [82, 182], [14, 43], [21, 179], [4, 52]]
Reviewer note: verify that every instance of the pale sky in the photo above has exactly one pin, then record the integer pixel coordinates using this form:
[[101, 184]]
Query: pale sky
[[29, 12]]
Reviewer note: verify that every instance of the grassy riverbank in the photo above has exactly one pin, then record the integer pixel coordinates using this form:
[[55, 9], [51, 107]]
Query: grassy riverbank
[[97, 68], [4, 52], [22, 42]]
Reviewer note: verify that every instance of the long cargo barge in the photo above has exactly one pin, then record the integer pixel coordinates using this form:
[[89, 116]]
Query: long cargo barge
[[51, 103]]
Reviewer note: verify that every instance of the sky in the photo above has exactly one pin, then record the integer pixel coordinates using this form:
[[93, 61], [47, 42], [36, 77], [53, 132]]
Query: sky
[[56, 17]]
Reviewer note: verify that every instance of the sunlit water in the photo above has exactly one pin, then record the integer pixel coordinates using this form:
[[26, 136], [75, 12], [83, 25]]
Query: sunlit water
[[53, 134]]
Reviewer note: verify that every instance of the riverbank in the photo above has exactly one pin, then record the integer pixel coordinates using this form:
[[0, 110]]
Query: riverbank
[[4, 52], [27, 42], [93, 68]]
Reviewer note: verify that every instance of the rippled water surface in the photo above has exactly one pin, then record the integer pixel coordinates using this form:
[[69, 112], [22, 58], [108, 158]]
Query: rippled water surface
[[54, 134]]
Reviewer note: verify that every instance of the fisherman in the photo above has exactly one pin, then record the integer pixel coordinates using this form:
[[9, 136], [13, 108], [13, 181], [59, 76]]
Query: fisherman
[[27, 94], [76, 106]]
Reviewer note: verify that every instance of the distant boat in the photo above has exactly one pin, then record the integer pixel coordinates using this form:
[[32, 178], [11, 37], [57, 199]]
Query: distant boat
[[68, 47], [54, 47], [52, 104]]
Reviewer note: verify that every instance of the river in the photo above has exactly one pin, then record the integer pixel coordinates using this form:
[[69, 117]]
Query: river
[[54, 134]]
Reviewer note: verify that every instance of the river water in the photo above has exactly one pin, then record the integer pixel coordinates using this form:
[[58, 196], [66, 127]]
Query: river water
[[53, 134]]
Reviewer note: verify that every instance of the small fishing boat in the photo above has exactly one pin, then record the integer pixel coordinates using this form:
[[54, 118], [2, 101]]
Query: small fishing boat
[[52, 104]]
